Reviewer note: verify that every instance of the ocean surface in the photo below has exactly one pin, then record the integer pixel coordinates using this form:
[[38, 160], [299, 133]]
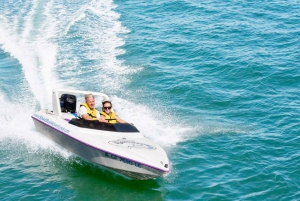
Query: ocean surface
[[215, 83]]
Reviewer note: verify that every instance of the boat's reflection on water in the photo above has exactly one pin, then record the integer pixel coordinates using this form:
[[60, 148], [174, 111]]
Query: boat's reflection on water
[[93, 182]]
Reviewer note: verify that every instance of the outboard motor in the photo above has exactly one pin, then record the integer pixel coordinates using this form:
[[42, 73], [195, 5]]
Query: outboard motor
[[68, 103]]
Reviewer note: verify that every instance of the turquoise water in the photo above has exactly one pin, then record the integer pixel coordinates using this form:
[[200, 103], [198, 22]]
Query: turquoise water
[[214, 83]]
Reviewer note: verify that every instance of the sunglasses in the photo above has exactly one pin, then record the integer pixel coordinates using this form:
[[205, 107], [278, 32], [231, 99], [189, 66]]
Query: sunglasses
[[105, 108]]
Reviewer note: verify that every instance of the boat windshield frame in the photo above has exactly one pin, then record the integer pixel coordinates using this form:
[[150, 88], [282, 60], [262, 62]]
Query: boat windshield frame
[[56, 106]]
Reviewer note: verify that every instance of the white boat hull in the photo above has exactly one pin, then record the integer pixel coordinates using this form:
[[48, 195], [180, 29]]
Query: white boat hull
[[130, 154]]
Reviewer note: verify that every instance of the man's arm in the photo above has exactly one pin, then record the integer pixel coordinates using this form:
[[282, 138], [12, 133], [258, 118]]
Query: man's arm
[[83, 113]]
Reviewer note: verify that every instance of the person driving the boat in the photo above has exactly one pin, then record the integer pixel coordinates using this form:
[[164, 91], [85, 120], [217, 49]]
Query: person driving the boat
[[109, 116], [87, 110]]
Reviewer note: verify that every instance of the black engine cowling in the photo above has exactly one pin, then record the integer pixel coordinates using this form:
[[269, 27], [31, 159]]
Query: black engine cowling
[[68, 103]]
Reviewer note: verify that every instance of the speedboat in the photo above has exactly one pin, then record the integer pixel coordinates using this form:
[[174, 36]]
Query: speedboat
[[118, 147]]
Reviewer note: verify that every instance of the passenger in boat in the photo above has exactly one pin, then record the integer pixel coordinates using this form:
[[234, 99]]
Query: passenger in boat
[[108, 116], [87, 110]]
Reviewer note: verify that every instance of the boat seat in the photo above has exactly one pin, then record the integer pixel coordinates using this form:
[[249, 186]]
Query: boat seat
[[68, 103]]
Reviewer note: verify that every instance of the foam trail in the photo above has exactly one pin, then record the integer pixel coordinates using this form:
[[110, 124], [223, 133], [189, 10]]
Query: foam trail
[[28, 23], [19, 128], [96, 27], [47, 50], [166, 131], [11, 45], [78, 16], [31, 43], [34, 51]]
